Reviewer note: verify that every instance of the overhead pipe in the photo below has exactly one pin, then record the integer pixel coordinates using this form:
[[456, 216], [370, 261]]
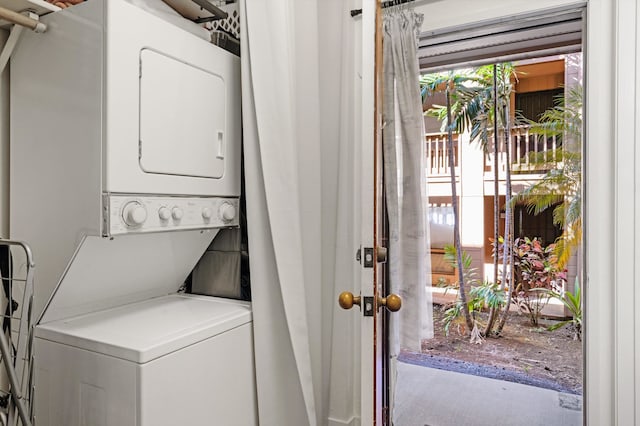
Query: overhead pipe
[[24, 21]]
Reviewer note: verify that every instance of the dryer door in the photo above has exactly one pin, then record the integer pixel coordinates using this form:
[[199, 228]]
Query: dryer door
[[182, 130]]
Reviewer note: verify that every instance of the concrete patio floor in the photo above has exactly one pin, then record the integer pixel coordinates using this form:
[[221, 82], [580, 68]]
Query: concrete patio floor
[[431, 397]]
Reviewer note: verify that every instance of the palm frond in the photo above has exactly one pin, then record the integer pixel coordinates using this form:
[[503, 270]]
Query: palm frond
[[568, 242]]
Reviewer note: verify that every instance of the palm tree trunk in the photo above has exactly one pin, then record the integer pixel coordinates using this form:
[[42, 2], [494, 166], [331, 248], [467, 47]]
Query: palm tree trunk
[[496, 200], [456, 218], [508, 225]]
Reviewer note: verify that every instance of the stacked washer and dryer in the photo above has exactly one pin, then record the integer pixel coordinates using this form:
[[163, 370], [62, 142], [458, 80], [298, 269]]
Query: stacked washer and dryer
[[125, 163]]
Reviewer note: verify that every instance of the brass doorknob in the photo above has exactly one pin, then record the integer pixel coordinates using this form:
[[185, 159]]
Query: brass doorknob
[[347, 300], [392, 302]]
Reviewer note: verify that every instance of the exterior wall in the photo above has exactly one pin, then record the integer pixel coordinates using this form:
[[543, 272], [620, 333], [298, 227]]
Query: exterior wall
[[472, 230], [533, 77]]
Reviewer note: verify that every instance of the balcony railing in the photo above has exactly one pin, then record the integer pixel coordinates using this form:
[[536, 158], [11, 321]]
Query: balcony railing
[[530, 153], [525, 146], [438, 154]]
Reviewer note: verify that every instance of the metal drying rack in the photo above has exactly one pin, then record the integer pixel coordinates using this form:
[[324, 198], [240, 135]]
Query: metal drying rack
[[16, 338]]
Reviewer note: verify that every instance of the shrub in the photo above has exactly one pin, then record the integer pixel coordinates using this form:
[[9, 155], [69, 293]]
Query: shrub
[[536, 268]]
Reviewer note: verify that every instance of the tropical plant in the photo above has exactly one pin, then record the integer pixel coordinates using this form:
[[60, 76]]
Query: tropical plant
[[472, 99], [462, 306], [573, 302], [481, 295], [496, 203], [507, 264], [536, 268], [474, 108], [561, 187], [453, 83]]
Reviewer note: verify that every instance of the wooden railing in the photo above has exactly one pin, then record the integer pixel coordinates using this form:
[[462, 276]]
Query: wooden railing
[[530, 153], [524, 146], [438, 154]]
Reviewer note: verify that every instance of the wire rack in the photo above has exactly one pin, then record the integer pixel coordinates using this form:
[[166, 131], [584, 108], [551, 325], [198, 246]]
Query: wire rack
[[16, 338]]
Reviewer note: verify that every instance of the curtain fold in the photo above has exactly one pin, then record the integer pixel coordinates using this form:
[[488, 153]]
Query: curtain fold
[[405, 181], [285, 387]]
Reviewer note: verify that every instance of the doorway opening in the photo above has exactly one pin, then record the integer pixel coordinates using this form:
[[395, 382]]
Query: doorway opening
[[520, 196]]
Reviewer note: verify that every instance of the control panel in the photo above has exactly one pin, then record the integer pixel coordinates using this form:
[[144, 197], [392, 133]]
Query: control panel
[[126, 214]]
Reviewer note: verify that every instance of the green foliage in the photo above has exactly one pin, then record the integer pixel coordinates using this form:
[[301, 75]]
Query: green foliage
[[451, 315], [573, 302], [481, 295], [450, 256], [561, 187], [471, 105], [536, 267], [489, 294], [472, 97]]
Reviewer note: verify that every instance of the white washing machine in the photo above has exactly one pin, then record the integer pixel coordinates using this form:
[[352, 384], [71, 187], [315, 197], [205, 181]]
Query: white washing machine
[[167, 361]]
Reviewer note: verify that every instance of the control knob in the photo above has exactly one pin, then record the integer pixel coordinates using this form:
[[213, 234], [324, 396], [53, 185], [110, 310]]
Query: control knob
[[177, 213], [206, 213], [164, 213], [227, 212], [134, 214]]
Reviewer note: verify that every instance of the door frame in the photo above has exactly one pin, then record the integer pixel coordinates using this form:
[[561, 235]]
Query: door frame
[[612, 342]]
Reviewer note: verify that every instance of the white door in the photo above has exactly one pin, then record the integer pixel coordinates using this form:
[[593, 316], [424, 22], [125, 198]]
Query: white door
[[368, 198], [611, 312], [371, 354]]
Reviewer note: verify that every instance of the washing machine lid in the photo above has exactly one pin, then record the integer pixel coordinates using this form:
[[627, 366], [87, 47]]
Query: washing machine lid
[[141, 332]]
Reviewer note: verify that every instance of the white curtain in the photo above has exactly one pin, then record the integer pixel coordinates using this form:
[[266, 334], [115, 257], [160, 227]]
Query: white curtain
[[405, 181], [282, 182]]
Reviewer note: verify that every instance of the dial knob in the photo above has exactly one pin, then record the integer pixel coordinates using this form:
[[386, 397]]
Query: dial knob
[[164, 213], [177, 213], [206, 213], [227, 212], [134, 214]]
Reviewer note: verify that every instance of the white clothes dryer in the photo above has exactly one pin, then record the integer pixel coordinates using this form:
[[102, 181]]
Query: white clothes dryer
[[121, 124]]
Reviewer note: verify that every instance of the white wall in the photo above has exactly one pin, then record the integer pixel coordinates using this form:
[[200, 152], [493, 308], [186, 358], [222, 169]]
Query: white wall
[[4, 167], [619, 283], [338, 105], [4, 146], [330, 34]]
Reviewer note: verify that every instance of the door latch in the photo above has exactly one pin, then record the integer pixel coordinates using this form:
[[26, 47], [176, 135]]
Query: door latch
[[367, 306], [368, 257]]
